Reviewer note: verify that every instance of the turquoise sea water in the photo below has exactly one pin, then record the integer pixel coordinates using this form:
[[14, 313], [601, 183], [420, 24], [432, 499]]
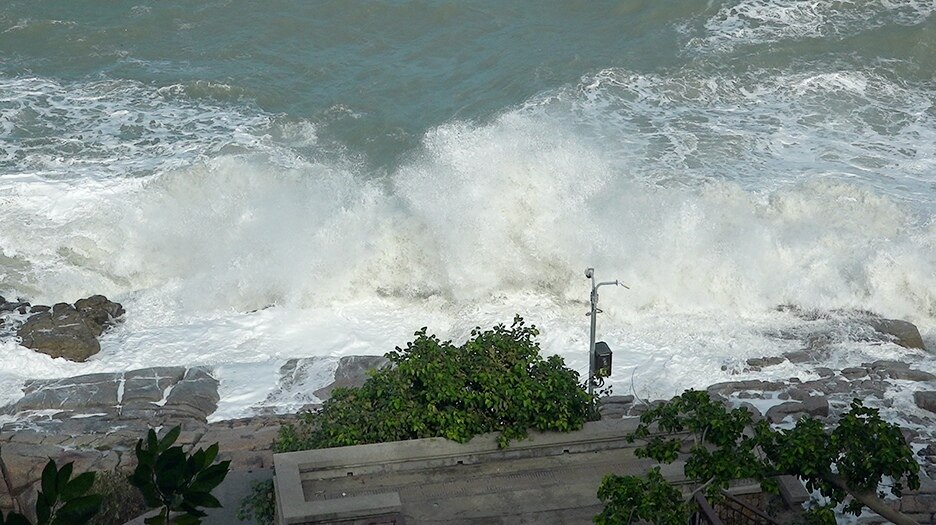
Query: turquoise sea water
[[372, 167]]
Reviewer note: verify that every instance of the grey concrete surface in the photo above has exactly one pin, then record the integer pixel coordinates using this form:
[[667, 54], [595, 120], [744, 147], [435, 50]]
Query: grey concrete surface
[[548, 478]]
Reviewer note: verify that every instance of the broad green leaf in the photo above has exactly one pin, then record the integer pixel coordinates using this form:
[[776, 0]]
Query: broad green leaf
[[152, 444], [64, 474], [170, 438], [170, 470], [79, 510], [78, 486], [43, 509], [49, 476]]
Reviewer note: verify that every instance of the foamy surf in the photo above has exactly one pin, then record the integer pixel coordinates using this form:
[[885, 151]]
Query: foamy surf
[[326, 210]]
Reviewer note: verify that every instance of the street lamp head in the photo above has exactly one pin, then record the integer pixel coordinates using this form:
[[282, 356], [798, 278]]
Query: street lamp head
[[589, 273]]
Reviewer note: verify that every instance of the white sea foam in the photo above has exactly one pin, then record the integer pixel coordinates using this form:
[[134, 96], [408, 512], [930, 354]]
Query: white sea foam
[[766, 21], [715, 199]]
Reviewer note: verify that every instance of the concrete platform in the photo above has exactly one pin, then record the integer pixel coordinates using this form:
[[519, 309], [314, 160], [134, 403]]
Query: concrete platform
[[547, 478]]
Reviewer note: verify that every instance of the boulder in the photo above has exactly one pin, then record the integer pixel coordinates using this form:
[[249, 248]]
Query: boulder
[[99, 313], [887, 369], [925, 400], [854, 372], [60, 333], [70, 331], [728, 388], [903, 333], [816, 406], [352, 372], [765, 361]]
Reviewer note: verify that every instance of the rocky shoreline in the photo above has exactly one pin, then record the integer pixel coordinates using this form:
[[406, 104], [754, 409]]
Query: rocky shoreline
[[95, 419]]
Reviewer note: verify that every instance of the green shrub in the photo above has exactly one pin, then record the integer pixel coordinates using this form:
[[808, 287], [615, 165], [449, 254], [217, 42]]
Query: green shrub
[[726, 445], [497, 381], [121, 500], [260, 505]]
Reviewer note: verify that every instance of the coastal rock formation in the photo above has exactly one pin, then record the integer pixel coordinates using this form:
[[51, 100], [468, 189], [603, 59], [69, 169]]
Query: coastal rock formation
[[870, 327], [65, 330], [903, 333], [156, 396], [926, 401], [352, 371]]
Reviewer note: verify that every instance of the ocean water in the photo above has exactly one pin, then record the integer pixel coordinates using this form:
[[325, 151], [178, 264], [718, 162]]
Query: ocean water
[[317, 179]]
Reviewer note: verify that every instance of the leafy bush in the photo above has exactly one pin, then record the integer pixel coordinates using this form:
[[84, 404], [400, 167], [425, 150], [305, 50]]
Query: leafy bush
[[175, 482], [496, 381], [121, 500], [725, 445], [62, 500], [260, 505]]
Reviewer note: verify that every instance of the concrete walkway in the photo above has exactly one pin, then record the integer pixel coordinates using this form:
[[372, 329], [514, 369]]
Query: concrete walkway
[[550, 478]]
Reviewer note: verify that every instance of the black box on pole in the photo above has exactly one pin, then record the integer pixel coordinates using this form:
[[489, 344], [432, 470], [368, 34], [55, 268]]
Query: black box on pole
[[602, 359]]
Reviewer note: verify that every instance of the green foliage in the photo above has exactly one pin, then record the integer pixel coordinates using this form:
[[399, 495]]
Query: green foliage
[[495, 382], [629, 499], [820, 515], [260, 505], [121, 500], [724, 445], [62, 500], [173, 481]]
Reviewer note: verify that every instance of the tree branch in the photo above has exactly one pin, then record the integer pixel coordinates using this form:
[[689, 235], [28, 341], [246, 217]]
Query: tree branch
[[869, 499]]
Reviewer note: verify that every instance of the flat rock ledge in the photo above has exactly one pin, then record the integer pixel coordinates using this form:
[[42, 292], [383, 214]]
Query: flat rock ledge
[[96, 419]]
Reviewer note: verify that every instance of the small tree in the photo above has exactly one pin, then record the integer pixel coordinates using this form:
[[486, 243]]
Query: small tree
[[172, 481], [725, 445], [496, 381]]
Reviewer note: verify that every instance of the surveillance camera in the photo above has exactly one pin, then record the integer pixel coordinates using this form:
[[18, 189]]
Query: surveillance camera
[[589, 272]]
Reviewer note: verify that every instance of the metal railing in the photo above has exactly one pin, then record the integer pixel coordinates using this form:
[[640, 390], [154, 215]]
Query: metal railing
[[730, 511]]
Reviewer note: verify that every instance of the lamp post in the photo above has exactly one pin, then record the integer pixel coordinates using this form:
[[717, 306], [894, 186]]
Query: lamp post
[[590, 274]]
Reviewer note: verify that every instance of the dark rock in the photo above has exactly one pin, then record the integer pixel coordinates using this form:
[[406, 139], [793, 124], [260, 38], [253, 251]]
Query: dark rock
[[828, 385], [195, 397], [70, 332], [765, 361], [898, 370], [726, 389], [99, 313], [799, 394], [12, 306], [854, 373], [815, 406], [62, 333], [617, 400], [925, 400], [352, 372], [777, 413], [801, 356], [825, 372], [903, 333], [39, 308]]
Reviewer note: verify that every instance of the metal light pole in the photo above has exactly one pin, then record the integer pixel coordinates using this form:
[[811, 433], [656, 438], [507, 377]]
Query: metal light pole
[[590, 274]]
